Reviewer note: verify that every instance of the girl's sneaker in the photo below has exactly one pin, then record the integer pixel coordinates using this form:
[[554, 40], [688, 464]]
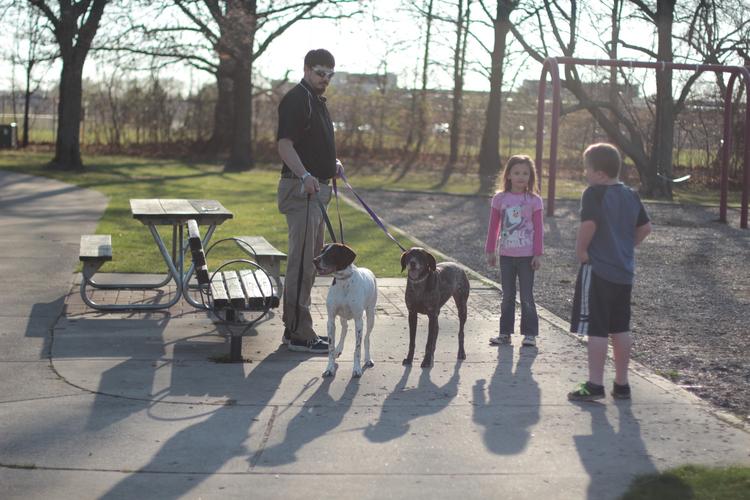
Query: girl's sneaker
[[501, 339], [529, 340], [620, 391], [587, 392]]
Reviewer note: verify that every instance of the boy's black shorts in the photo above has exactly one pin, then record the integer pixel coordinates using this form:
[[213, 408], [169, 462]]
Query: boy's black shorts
[[600, 307]]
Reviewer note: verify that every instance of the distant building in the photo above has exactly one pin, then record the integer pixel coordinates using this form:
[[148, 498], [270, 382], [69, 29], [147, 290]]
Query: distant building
[[595, 90], [352, 83], [367, 82]]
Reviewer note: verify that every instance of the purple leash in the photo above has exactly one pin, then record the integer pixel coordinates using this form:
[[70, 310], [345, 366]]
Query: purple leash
[[373, 215]]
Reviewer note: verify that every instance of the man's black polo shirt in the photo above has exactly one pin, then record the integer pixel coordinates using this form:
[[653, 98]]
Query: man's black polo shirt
[[304, 118]]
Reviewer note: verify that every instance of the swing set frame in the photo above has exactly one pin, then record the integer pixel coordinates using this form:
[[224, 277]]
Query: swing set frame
[[551, 66]]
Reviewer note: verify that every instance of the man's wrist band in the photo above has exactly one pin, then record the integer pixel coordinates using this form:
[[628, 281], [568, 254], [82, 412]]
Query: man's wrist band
[[305, 176]]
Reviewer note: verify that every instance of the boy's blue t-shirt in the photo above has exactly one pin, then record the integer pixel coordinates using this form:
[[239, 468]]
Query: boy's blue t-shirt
[[617, 211]]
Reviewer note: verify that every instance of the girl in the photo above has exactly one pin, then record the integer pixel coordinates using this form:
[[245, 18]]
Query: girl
[[516, 213]]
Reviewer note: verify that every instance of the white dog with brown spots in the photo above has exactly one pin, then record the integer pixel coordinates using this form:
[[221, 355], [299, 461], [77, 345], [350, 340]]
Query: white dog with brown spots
[[353, 294]]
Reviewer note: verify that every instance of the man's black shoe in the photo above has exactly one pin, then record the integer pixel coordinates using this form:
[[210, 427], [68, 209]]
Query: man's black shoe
[[288, 336], [318, 346]]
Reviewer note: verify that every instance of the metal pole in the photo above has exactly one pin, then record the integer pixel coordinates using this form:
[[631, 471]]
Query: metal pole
[[726, 149], [540, 123], [554, 129]]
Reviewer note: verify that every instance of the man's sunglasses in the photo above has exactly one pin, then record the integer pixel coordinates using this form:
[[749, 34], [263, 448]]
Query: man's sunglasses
[[324, 73]]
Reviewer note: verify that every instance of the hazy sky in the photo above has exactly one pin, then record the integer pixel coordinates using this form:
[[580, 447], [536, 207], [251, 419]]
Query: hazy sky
[[366, 44], [387, 36]]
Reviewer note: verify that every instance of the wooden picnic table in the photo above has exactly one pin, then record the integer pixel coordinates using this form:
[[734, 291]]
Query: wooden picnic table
[[165, 212], [176, 211]]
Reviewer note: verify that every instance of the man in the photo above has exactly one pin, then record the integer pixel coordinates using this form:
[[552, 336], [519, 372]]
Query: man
[[308, 151]]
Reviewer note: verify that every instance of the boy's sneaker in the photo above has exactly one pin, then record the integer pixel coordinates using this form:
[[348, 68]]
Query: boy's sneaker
[[318, 346], [587, 391], [529, 340], [503, 338], [620, 391]]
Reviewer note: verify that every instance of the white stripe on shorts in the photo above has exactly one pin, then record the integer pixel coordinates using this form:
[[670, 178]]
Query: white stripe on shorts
[[583, 321]]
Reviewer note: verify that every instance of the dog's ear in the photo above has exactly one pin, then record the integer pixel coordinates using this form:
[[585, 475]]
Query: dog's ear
[[431, 264], [344, 256], [403, 259]]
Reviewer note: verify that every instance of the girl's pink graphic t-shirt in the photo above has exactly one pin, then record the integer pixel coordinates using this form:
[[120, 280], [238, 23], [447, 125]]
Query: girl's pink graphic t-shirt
[[516, 225]]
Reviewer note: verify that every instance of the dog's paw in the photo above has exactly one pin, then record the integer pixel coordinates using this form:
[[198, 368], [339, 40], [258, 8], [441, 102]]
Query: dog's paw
[[357, 372], [461, 355], [427, 363], [369, 364], [330, 372], [406, 362]]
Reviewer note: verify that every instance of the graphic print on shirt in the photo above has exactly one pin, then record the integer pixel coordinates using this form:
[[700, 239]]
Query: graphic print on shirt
[[515, 232]]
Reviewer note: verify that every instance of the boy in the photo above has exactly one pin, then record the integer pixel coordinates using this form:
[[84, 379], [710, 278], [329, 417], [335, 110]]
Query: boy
[[613, 223]]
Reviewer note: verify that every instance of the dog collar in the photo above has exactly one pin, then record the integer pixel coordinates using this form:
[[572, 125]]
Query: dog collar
[[343, 278], [420, 280]]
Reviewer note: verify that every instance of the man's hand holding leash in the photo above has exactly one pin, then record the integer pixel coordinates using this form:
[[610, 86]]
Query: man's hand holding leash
[[310, 184]]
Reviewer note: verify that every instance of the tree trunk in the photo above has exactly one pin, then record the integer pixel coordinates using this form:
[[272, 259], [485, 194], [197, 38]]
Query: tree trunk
[[26, 106], [661, 152], [422, 106], [74, 30], [221, 136], [457, 111], [241, 150], [420, 103], [239, 36], [458, 88], [489, 152], [67, 146]]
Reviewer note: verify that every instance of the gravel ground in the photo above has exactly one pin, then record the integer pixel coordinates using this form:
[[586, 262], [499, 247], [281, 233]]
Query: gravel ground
[[690, 299]]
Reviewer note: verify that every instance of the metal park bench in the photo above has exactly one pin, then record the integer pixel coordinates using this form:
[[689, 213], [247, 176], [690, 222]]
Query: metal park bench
[[237, 285]]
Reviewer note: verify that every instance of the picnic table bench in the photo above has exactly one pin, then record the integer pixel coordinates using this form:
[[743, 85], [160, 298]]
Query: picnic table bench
[[247, 284], [238, 285], [97, 249]]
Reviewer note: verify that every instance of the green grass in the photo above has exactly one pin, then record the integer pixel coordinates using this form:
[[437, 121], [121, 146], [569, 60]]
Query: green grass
[[672, 375], [251, 196], [694, 483]]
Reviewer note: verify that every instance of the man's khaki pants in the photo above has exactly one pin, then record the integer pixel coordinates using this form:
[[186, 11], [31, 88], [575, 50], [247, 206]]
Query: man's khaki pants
[[302, 215]]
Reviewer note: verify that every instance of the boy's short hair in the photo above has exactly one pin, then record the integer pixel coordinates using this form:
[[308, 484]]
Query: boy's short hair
[[603, 157], [319, 57]]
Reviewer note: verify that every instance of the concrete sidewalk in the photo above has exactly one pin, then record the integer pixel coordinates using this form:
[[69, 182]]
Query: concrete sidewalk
[[134, 405]]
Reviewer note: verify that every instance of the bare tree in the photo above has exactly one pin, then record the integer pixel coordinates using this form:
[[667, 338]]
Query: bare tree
[[462, 24], [489, 153], [422, 101], [74, 25], [662, 16], [32, 48], [655, 165], [231, 35]]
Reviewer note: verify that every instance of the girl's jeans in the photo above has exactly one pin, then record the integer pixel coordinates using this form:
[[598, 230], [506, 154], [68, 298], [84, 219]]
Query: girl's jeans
[[510, 269]]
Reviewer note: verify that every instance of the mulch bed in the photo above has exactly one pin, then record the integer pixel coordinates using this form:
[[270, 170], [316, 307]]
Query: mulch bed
[[691, 297]]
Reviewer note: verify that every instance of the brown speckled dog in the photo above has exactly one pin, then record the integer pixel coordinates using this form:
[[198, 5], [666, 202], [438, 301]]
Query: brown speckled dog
[[428, 287]]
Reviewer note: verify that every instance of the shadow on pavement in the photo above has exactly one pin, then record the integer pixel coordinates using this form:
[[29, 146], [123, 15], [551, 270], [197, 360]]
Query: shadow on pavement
[[319, 415], [222, 434], [394, 420], [42, 318], [509, 408], [612, 456]]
